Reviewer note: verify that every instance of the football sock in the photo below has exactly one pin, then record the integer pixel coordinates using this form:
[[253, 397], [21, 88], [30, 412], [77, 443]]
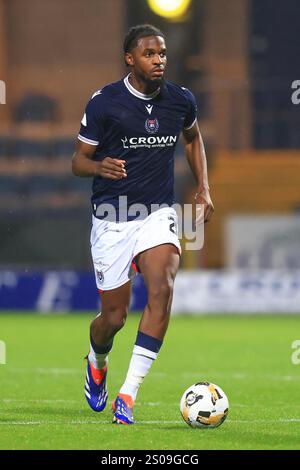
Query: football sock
[[145, 350], [98, 355]]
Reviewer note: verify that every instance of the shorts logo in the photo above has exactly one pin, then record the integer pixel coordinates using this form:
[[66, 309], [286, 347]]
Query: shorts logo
[[100, 276], [172, 227], [151, 125]]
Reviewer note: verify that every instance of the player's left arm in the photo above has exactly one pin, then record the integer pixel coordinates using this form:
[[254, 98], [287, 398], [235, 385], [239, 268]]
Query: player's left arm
[[196, 157]]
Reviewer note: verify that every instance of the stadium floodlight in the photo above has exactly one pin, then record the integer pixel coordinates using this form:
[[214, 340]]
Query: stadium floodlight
[[171, 9]]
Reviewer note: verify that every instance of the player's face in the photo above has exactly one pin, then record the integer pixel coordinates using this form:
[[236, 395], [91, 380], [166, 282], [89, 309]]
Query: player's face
[[149, 59]]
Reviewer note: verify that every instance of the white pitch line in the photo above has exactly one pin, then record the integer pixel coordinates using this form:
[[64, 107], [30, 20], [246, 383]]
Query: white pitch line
[[194, 376], [38, 400], [151, 403], [208, 375], [75, 423], [41, 370], [263, 421]]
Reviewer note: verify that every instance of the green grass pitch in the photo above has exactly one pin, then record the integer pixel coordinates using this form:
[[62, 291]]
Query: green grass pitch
[[42, 405]]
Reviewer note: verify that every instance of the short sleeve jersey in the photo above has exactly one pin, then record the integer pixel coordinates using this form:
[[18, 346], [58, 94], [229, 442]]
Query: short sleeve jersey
[[143, 130]]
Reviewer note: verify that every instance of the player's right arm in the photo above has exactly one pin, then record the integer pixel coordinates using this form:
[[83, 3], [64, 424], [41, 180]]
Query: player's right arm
[[90, 136], [84, 165]]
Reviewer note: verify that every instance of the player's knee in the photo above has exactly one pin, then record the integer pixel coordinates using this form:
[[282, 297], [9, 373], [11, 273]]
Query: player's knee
[[112, 319], [161, 291], [116, 318], [116, 324]]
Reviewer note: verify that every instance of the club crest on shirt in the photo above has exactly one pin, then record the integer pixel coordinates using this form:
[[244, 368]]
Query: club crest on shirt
[[151, 125]]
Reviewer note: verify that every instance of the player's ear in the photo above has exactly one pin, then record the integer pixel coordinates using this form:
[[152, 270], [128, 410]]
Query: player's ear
[[128, 58]]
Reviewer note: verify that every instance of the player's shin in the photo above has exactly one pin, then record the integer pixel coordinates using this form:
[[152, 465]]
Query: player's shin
[[98, 355], [145, 351]]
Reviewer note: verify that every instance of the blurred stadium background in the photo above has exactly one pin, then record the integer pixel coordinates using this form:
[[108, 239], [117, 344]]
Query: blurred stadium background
[[240, 58]]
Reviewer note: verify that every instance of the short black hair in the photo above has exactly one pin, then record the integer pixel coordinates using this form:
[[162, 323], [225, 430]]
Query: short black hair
[[137, 32]]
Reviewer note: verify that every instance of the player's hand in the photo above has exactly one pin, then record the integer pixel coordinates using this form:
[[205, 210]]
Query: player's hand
[[205, 207], [112, 168]]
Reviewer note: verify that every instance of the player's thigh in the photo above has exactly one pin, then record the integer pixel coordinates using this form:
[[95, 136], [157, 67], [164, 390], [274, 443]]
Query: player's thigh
[[158, 248], [159, 266]]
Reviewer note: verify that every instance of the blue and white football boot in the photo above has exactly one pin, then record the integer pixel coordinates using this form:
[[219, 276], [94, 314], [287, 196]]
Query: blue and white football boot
[[95, 387], [123, 409]]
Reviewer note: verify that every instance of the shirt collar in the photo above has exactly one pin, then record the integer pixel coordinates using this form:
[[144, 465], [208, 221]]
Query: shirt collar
[[137, 93]]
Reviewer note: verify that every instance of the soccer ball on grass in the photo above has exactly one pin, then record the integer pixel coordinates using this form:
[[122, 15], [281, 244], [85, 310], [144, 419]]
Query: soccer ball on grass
[[204, 405]]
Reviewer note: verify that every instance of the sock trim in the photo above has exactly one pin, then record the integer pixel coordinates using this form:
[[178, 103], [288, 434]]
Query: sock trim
[[144, 355], [100, 349], [138, 350], [148, 342]]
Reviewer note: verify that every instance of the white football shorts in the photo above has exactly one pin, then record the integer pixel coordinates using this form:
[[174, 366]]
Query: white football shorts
[[114, 245]]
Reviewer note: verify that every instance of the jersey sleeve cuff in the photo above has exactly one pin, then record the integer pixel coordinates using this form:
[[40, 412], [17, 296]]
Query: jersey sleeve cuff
[[87, 141], [189, 127]]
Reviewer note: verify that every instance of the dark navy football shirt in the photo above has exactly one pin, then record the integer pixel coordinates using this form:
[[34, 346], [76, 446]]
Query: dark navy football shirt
[[143, 130]]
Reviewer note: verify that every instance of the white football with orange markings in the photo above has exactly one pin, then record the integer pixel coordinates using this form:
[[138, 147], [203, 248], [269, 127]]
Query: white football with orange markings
[[204, 405]]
